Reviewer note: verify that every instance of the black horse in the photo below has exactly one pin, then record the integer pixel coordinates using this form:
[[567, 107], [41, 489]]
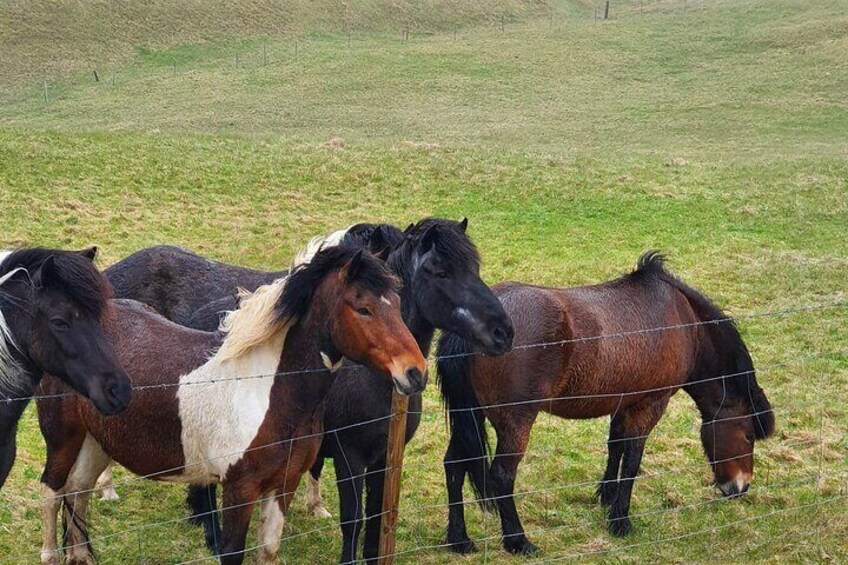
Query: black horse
[[51, 307], [439, 269]]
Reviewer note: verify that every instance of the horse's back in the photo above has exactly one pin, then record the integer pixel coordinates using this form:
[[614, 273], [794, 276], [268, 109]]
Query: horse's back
[[176, 282], [590, 343]]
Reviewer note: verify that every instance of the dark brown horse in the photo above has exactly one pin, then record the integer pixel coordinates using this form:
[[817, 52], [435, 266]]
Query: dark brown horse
[[249, 416], [599, 364], [52, 306]]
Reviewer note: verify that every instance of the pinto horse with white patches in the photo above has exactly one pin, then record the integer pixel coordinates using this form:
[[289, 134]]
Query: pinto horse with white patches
[[600, 362], [212, 422], [52, 306]]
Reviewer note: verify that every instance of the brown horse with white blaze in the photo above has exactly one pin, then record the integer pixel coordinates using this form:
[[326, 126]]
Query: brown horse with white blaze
[[618, 349], [249, 416]]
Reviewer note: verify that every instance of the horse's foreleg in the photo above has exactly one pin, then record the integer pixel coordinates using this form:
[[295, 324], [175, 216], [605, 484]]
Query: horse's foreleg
[[636, 423], [239, 501], [513, 432], [457, 535], [314, 501], [374, 482], [90, 462], [8, 449], [349, 474], [51, 502], [203, 504], [271, 522], [615, 450]]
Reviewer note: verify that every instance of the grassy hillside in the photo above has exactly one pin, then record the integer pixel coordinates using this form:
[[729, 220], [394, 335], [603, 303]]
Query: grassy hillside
[[43, 39], [718, 135]]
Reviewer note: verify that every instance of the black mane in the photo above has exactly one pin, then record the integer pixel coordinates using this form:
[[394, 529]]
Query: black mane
[[75, 275], [651, 263], [362, 235], [371, 276], [449, 241]]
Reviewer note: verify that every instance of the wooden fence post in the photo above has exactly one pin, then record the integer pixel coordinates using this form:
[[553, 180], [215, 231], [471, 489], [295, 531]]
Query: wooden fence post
[[606, 10], [391, 484]]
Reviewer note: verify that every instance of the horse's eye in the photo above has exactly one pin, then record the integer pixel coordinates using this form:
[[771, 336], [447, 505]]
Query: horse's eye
[[363, 311], [59, 323], [441, 275], [749, 437]]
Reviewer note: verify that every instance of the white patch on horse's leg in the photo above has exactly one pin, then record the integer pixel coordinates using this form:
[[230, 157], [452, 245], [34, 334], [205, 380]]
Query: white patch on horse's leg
[[313, 499], [91, 461], [271, 522], [106, 485], [51, 502]]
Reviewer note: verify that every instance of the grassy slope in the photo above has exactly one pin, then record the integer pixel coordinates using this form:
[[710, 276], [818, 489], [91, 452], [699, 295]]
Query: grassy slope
[[572, 151]]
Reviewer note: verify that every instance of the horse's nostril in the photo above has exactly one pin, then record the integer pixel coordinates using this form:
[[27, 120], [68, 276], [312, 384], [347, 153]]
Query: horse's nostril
[[500, 334], [415, 377]]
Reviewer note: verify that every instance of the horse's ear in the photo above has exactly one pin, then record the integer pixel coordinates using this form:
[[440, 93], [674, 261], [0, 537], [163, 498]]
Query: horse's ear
[[380, 243], [409, 228], [89, 253], [351, 269], [46, 273], [429, 239], [463, 224]]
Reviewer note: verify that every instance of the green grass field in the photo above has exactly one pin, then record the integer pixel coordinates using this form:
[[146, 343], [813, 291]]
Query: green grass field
[[718, 134]]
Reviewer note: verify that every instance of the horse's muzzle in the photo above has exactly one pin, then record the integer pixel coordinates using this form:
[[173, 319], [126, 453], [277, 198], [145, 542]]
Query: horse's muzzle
[[412, 382]]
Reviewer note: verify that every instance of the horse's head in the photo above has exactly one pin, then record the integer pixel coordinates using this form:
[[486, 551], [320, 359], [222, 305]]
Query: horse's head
[[54, 303], [441, 269], [743, 417], [358, 299]]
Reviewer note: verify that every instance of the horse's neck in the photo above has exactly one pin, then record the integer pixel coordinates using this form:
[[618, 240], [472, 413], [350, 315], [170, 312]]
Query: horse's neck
[[421, 329], [302, 381]]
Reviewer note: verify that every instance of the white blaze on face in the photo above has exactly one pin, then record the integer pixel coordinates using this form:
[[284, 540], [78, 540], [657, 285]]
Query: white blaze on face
[[386, 300]]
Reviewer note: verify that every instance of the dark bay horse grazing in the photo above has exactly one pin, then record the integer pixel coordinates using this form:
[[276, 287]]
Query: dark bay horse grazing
[[211, 422], [177, 282], [630, 377], [52, 306], [439, 268]]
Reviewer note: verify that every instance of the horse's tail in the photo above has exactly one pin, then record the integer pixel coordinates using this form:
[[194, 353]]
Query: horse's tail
[[731, 354], [469, 442]]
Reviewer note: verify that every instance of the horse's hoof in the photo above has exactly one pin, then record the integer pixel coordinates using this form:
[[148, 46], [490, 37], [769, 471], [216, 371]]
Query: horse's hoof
[[109, 494], [50, 557], [320, 511], [520, 546], [462, 546], [620, 527]]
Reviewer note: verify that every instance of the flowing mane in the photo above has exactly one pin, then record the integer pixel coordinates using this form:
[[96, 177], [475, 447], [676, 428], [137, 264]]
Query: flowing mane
[[273, 309], [255, 321]]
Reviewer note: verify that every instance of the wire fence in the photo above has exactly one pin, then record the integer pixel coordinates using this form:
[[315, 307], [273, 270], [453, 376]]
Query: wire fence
[[418, 470]]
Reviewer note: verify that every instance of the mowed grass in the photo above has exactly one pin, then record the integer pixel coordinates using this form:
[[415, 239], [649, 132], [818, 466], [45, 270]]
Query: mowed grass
[[718, 136]]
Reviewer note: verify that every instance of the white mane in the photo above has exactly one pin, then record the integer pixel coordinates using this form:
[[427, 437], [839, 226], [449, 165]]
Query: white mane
[[9, 368], [255, 321]]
